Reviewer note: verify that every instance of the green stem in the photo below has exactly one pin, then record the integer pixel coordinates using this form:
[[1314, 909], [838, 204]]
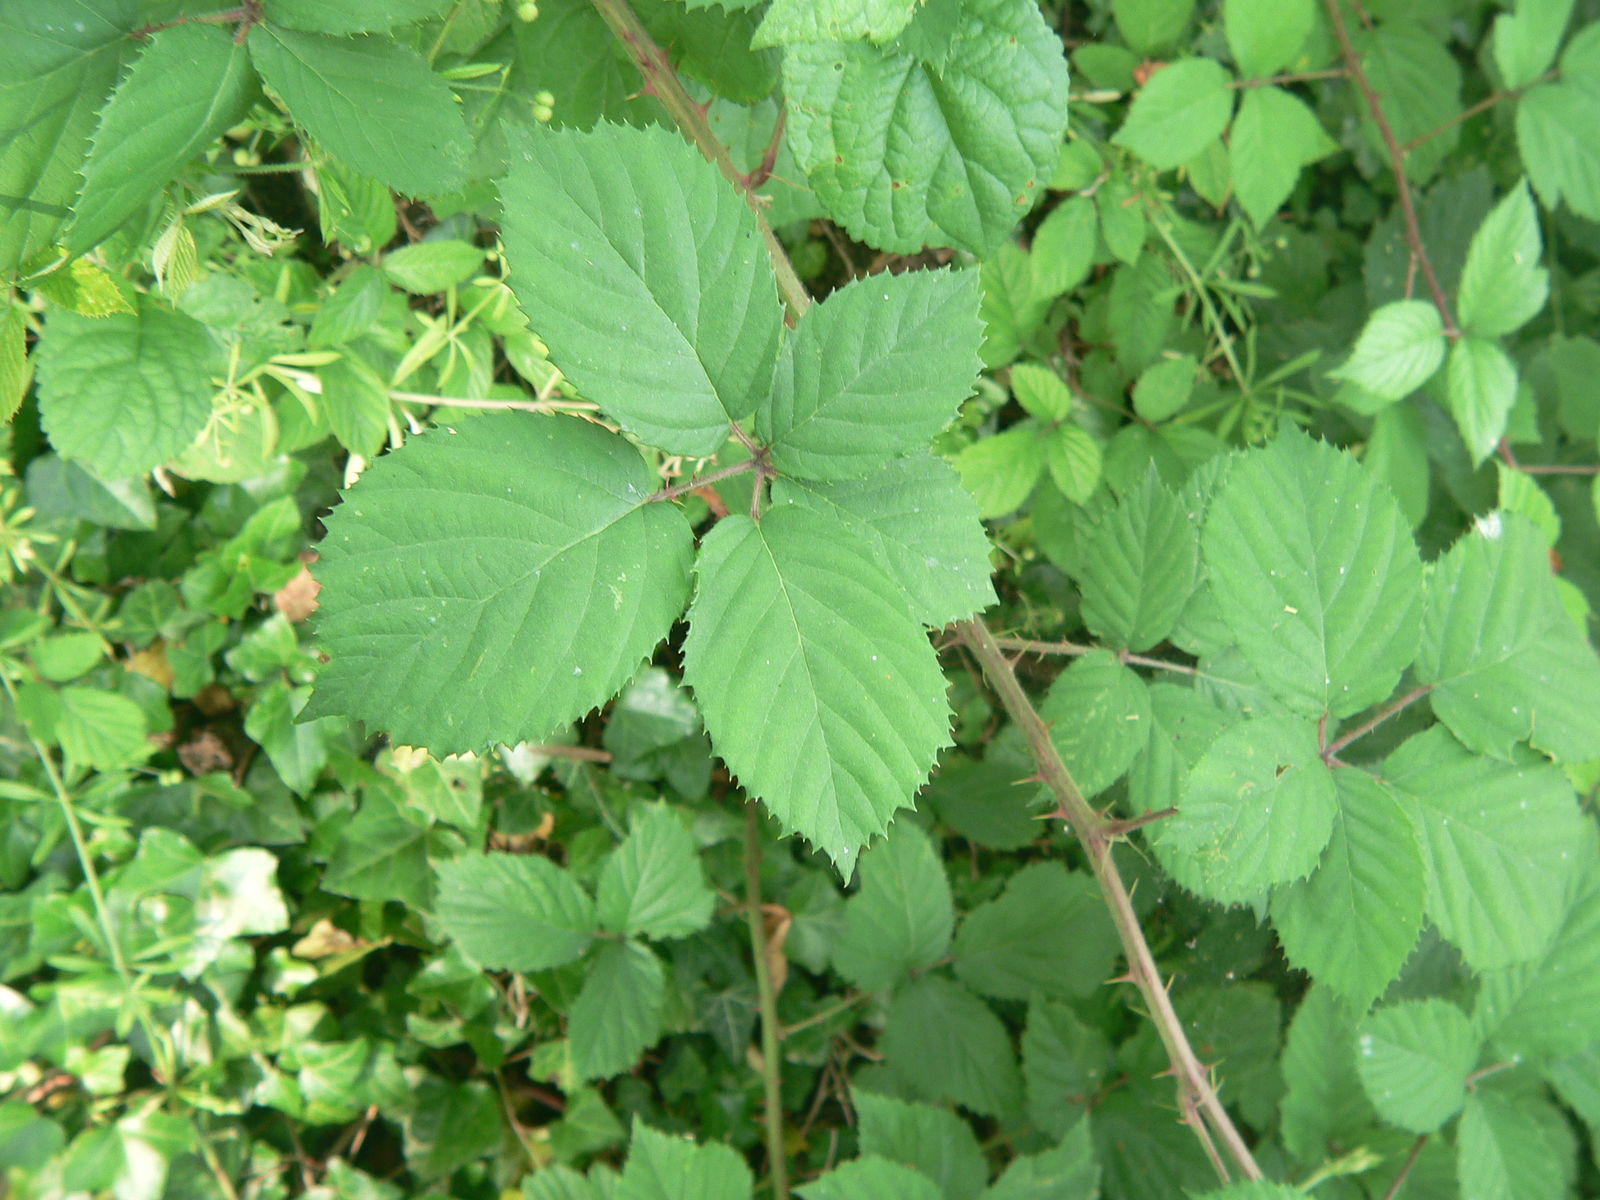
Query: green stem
[[767, 1001], [1213, 319], [662, 83]]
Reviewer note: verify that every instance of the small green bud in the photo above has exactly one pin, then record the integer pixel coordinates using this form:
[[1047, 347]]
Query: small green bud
[[548, 99], [543, 112], [527, 11]]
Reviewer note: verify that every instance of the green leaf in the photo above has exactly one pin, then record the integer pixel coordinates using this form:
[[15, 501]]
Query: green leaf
[[426, 267], [1323, 1103], [1066, 1173], [297, 750], [921, 526], [1042, 392], [1524, 43], [663, 311], [1046, 935], [651, 885], [1353, 923], [379, 854], [905, 156], [1514, 1147], [1413, 1060], [188, 85], [372, 101], [1236, 1024], [1315, 571], [1400, 347], [571, 53], [101, 729], [818, 689], [1063, 247], [978, 1070], [1265, 35], [833, 21], [1183, 724], [1506, 662], [1151, 25], [900, 921], [1497, 838], [1001, 469], [125, 393], [1099, 715], [58, 62], [513, 912], [352, 309], [617, 1015], [934, 1141], [1481, 388], [872, 373], [352, 16], [1419, 81], [1164, 388], [1064, 1065], [1074, 460], [1503, 287], [1273, 136], [16, 372], [531, 590], [663, 1167], [870, 1178], [1547, 1007], [1255, 811], [1177, 112], [1139, 564], [1255, 1189], [1555, 134], [1120, 203], [357, 405]]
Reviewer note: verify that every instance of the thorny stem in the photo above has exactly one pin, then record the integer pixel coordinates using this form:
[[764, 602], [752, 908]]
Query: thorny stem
[[662, 82], [767, 1002], [1331, 752], [1198, 1098], [1397, 164]]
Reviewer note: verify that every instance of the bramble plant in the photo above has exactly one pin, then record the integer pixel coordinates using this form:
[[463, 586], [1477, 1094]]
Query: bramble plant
[[499, 678]]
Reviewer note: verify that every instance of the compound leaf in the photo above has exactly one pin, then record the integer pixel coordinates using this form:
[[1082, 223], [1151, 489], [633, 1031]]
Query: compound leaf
[[1525, 42], [1413, 1060], [922, 527], [833, 21], [1255, 811], [1514, 1147], [513, 912], [190, 84], [1264, 35], [819, 690], [372, 101], [1314, 568], [652, 884], [1273, 136], [872, 373], [352, 16], [1353, 923], [494, 581], [905, 156], [1498, 838], [617, 1014], [900, 920], [1505, 659], [122, 394], [1555, 131], [646, 275]]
